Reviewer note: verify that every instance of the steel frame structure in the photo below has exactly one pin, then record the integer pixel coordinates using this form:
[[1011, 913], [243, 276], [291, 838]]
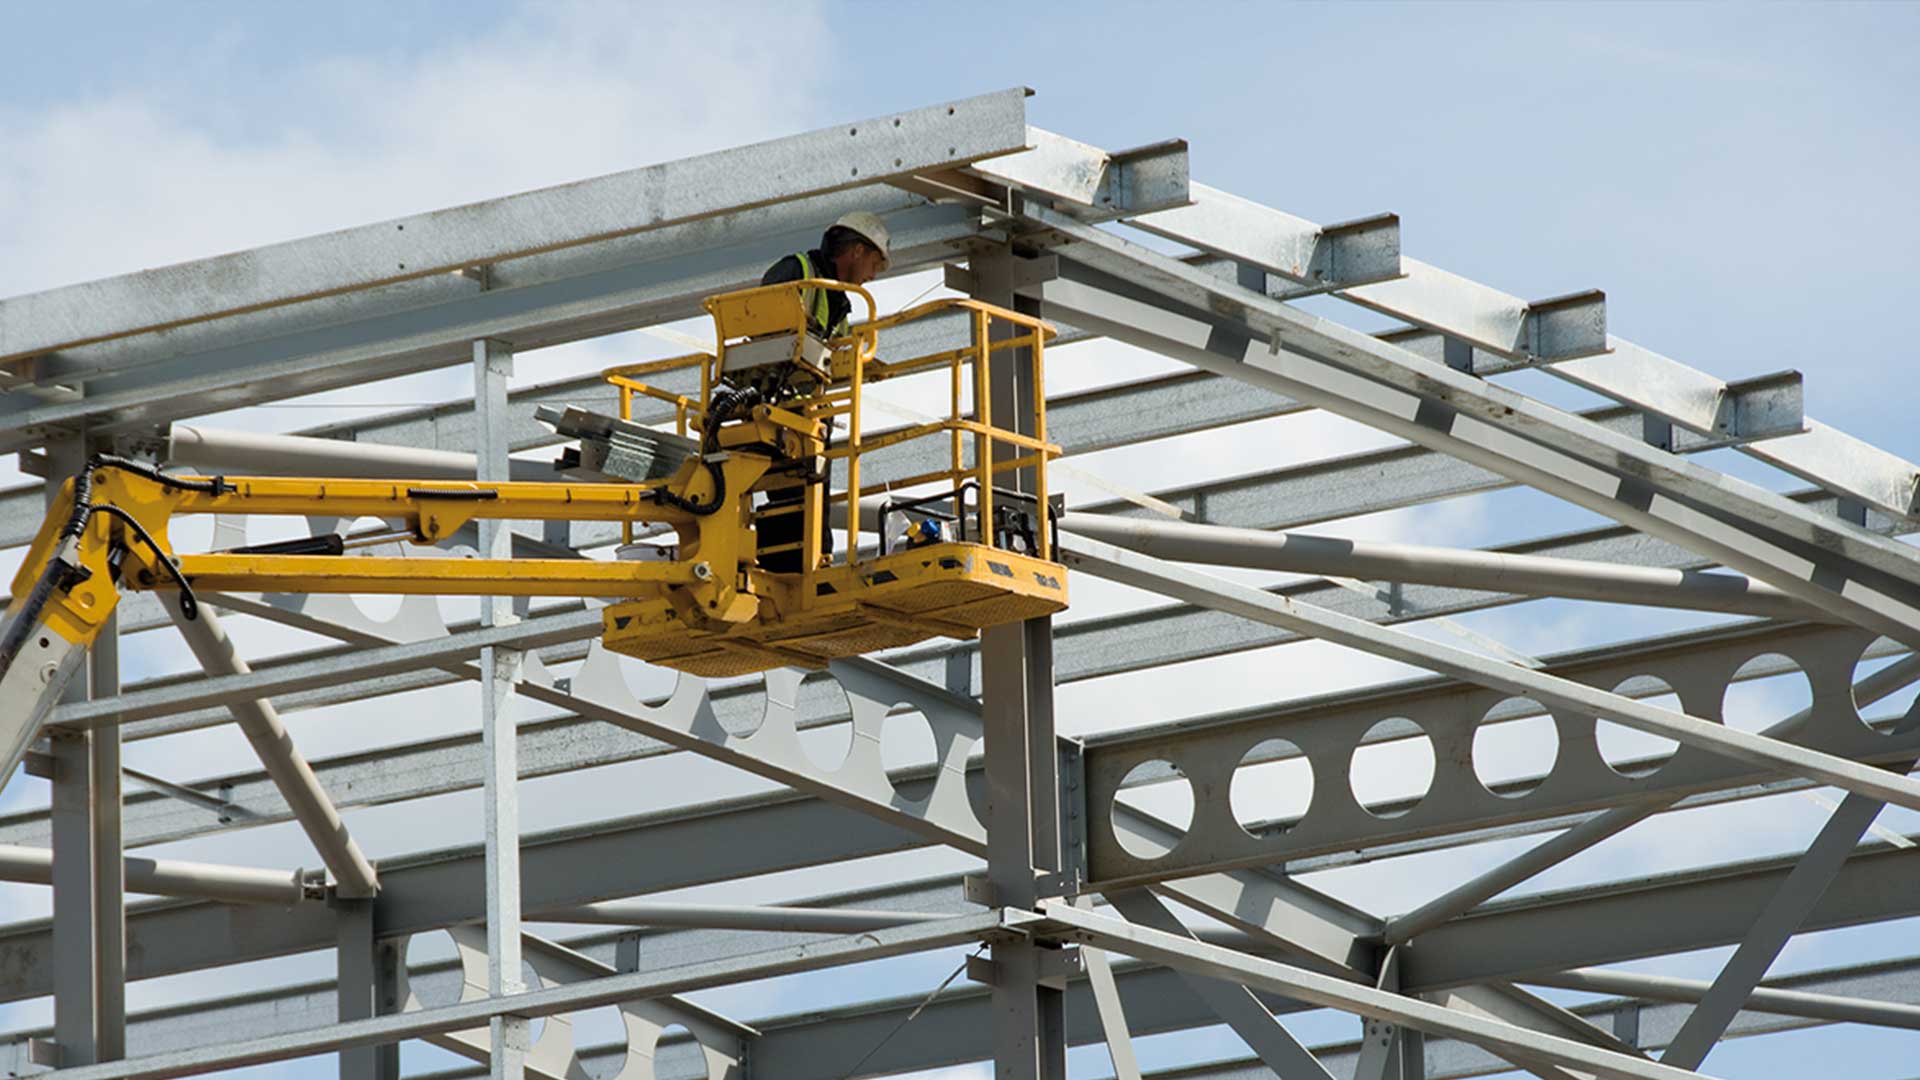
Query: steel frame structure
[[1198, 923]]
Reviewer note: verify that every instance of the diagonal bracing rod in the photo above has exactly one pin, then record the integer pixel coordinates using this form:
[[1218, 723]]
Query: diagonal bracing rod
[[1492, 571], [1194, 587], [172, 877], [1834, 1007], [1214, 961], [1785, 911], [573, 997], [1234, 1001], [260, 723]]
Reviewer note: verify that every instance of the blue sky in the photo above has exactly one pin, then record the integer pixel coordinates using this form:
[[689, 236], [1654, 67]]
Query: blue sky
[[1738, 178]]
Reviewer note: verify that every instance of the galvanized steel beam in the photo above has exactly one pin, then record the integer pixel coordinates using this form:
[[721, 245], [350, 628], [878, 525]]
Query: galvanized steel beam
[[1143, 572], [175, 877], [607, 990], [1220, 545], [481, 234], [1200, 958], [260, 722], [418, 326], [1763, 417], [1825, 562]]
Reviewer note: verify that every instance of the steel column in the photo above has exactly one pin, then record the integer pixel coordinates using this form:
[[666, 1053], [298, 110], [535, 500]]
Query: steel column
[[1016, 667], [500, 669], [366, 985], [89, 921]]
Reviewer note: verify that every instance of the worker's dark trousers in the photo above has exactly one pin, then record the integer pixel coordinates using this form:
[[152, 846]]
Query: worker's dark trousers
[[785, 529]]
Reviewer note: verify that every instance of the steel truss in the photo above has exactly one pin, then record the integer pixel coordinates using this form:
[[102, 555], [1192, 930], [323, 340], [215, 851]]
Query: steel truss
[[1083, 922]]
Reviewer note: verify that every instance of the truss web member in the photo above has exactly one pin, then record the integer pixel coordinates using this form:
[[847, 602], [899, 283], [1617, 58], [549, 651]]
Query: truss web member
[[854, 249]]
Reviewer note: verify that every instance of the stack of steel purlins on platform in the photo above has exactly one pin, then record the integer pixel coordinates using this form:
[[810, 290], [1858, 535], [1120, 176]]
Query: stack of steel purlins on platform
[[613, 449], [1026, 218]]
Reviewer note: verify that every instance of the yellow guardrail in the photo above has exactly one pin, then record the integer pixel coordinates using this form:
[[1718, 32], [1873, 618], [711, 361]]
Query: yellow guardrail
[[853, 363]]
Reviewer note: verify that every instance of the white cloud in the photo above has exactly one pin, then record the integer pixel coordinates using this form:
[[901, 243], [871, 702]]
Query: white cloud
[[558, 92], [116, 183]]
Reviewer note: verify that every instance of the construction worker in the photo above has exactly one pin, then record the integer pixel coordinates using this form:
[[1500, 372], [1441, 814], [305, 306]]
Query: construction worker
[[854, 250]]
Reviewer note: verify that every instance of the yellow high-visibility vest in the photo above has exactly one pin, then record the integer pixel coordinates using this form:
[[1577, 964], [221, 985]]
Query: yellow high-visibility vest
[[815, 300]]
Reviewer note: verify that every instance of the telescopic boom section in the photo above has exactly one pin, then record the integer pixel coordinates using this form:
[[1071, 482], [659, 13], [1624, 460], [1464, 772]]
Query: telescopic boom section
[[725, 599]]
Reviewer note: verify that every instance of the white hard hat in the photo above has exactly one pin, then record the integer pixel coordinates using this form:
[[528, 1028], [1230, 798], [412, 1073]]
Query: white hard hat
[[870, 228]]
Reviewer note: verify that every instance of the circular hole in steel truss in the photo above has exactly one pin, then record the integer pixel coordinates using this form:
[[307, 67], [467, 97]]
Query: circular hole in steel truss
[[1515, 747], [382, 607], [1392, 767], [1629, 751], [1764, 692], [604, 1026], [1161, 798], [826, 744], [429, 977], [1881, 707], [1273, 786], [677, 1053], [906, 740]]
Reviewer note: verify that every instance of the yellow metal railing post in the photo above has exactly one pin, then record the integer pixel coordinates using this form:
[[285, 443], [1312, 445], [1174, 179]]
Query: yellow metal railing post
[[1040, 434], [853, 454], [626, 413], [983, 415], [956, 443]]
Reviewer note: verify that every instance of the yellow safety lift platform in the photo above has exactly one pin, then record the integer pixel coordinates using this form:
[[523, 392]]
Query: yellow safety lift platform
[[751, 582]]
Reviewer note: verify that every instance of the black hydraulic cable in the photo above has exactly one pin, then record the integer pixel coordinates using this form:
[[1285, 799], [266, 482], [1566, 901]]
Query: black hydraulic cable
[[212, 485], [724, 405], [62, 569], [189, 604]]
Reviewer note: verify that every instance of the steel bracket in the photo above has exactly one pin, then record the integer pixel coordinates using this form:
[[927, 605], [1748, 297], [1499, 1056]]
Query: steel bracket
[[1565, 327], [1763, 407], [1058, 967], [983, 971], [1363, 251], [1025, 274]]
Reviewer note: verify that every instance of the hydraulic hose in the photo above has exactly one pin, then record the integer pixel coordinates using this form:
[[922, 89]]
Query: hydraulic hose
[[63, 563], [725, 404]]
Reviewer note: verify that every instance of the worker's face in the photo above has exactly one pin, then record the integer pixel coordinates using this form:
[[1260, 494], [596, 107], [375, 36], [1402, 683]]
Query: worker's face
[[861, 264]]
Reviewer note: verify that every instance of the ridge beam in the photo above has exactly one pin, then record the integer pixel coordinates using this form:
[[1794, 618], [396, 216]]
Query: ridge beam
[[548, 219]]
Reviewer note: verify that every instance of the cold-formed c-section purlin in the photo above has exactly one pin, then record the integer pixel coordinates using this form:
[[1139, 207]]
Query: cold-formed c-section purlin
[[797, 557]]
